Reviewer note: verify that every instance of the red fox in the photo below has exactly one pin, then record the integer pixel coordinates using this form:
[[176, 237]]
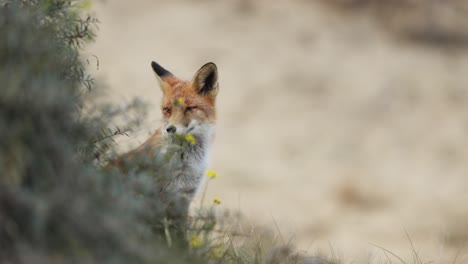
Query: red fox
[[188, 109]]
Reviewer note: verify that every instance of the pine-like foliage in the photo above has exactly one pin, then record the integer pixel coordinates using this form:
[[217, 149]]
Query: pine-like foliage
[[55, 204]]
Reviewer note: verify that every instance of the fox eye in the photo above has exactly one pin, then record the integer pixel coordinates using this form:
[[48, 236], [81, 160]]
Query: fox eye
[[190, 108], [166, 110]]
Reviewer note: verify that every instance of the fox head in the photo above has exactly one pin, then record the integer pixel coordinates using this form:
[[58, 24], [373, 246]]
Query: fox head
[[188, 107]]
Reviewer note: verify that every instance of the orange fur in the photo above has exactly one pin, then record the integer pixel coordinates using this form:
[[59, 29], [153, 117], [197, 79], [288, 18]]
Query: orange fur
[[189, 107]]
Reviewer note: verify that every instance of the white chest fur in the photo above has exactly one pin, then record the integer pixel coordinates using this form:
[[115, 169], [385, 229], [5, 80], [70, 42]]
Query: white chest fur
[[187, 169]]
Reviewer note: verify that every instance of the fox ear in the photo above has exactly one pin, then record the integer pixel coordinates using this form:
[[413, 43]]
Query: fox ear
[[205, 81], [160, 71], [161, 74]]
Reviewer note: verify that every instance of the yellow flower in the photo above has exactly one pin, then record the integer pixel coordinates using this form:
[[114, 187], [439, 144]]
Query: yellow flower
[[180, 101], [216, 200], [86, 4], [190, 139], [211, 174], [217, 251], [195, 241]]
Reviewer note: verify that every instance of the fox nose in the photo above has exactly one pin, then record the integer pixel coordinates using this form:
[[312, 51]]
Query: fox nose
[[171, 129]]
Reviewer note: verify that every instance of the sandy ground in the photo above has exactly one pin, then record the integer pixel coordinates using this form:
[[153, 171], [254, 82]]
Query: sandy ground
[[328, 127]]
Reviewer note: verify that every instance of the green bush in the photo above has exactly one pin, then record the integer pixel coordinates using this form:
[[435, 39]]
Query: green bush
[[54, 203], [57, 203]]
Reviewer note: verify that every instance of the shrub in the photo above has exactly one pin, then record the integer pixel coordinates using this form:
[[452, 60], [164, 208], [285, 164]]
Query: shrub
[[57, 204]]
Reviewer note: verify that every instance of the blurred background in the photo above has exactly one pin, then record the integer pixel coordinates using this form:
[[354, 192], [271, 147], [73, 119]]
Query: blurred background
[[341, 123]]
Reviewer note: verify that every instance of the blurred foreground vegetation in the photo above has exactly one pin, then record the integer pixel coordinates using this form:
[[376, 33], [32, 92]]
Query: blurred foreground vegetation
[[57, 205]]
